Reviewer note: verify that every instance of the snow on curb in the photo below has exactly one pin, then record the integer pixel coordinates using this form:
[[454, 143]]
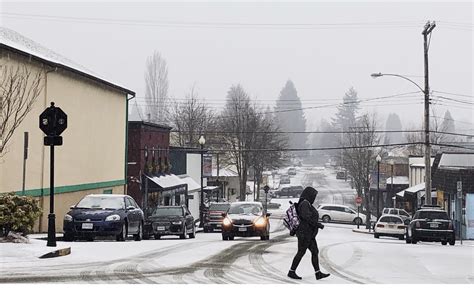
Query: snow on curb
[[362, 231]]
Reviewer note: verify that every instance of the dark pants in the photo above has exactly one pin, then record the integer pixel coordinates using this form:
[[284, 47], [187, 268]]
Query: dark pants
[[305, 243]]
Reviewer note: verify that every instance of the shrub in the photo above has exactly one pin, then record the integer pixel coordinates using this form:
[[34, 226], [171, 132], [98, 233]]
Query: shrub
[[18, 213]]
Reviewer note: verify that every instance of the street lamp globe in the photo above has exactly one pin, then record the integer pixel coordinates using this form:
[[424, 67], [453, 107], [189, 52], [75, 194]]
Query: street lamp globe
[[378, 158], [202, 140]]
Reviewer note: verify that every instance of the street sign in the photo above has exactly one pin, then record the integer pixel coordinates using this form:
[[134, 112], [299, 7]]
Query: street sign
[[358, 201], [53, 121], [459, 188], [266, 188]]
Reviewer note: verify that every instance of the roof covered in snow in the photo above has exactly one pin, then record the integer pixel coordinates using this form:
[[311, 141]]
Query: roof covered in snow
[[230, 171], [398, 180], [12, 40], [456, 160]]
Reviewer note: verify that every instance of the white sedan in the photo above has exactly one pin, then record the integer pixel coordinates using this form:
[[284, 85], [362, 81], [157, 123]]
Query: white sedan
[[390, 225]]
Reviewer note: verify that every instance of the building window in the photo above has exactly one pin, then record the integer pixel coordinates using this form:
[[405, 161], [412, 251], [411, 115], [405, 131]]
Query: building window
[[107, 191]]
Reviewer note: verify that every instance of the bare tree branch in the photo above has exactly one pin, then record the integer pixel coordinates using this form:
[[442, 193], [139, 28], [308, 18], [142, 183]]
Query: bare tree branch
[[156, 92], [19, 89]]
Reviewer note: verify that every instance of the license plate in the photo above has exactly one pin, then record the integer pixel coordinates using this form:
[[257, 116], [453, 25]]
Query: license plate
[[242, 229], [391, 226], [433, 225], [87, 226], [160, 228]]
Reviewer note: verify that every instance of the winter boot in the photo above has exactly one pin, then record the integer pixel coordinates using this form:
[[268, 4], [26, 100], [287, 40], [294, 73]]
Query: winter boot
[[320, 275], [292, 274]]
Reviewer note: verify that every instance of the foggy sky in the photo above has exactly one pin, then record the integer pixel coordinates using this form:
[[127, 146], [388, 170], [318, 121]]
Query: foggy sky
[[265, 46]]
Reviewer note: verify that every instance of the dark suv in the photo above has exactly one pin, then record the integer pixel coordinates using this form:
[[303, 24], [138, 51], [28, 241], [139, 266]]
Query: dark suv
[[430, 224], [172, 220], [213, 218]]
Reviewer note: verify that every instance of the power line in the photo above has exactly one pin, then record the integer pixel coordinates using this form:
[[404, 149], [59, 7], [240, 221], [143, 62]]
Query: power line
[[305, 149], [453, 100], [329, 105], [200, 24], [211, 132], [455, 94]]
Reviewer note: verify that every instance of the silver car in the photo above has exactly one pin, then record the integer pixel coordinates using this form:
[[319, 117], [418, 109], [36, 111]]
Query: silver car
[[341, 213], [399, 212]]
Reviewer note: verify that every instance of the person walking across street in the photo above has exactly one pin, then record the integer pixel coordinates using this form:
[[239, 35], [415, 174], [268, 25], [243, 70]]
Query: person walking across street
[[306, 233]]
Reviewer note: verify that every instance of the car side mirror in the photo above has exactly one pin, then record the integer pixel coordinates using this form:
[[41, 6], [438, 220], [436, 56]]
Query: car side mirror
[[72, 206], [268, 214]]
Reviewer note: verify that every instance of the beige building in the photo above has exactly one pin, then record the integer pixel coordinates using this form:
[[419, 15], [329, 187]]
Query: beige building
[[92, 158]]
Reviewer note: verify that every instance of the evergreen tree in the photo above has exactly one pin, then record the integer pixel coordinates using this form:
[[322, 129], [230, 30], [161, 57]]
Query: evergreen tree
[[393, 123], [346, 114], [290, 116]]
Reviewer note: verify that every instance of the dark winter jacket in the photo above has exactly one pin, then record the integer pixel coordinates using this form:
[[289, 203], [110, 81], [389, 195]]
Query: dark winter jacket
[[308, 215]]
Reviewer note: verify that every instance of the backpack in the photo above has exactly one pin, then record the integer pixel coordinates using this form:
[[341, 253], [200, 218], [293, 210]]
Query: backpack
[[291, 220]]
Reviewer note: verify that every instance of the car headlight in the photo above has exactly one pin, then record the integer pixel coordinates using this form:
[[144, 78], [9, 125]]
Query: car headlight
[[113, 217], [259, 222], [67, 217], [227, 221], [177, 222]]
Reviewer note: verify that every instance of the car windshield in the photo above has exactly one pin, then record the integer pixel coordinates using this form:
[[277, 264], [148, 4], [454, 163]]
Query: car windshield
[[168, 211], [246, 209], [391, 219], [432, 215], [94, 202], [219, 207]]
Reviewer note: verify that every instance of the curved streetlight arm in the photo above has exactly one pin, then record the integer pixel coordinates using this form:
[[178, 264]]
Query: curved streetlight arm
[[376, 75]]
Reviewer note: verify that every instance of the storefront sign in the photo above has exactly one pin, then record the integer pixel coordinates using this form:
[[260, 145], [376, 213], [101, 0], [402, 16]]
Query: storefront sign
[[207, 165]]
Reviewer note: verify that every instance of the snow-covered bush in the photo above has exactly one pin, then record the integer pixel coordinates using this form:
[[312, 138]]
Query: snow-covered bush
[[17, 213]]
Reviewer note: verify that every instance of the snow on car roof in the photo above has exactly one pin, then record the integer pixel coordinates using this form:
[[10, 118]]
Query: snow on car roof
[[108, 195]]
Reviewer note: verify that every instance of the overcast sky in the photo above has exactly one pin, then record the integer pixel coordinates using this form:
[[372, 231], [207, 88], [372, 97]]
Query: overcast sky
[[324, 48]]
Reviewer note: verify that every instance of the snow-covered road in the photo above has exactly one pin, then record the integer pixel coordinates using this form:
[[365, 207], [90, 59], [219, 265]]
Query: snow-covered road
[[350, 257]]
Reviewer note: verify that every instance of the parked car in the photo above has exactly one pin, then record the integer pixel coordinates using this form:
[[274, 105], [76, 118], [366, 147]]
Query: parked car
[[341, 213], [290, 191], [270, 204], [246, 219], [292, 171], [430, 224], [104, 215], [400, 212], [341, 175], [390, 225], [213, 218], [172, 220], [285, 179]]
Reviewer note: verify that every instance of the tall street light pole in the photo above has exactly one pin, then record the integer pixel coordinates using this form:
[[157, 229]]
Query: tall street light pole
[[391, 185], [426, 31], [202, 141], [378, 159]]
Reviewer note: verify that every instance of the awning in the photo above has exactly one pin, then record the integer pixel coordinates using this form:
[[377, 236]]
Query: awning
[[412, 190], [210, 188], [192, 185], [167, 181]]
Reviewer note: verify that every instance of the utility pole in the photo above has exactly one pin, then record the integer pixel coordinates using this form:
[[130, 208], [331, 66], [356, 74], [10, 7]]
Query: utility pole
[[426, 31]]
